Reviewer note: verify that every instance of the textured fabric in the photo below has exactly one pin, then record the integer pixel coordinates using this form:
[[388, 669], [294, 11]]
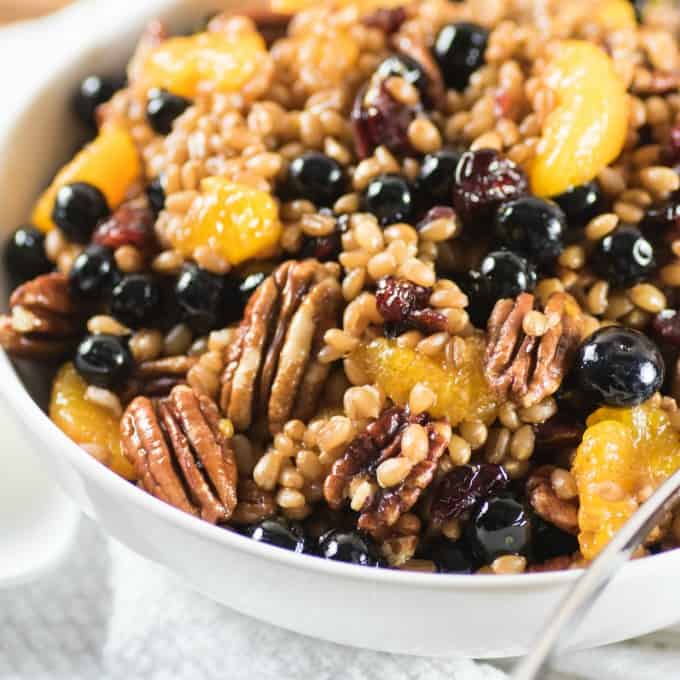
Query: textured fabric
[[107, 614]]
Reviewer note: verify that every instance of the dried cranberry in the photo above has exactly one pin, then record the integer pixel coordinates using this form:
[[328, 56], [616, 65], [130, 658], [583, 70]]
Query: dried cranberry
[[132, 224], [670, 154], [399, 298], [666, 326], [403, 306], [386, 19], [323, 248], [484, 180], [464, 487], [380, 120]]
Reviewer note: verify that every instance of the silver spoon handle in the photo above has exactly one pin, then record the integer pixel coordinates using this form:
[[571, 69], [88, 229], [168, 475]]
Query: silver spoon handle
[[595, 579]]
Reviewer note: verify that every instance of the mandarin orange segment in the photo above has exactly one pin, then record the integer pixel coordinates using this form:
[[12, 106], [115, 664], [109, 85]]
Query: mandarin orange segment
[[462, 392], [634, 448], [235, 221], [110, 162], [614, 15], [587, 129], [224, 61], [84, 421]]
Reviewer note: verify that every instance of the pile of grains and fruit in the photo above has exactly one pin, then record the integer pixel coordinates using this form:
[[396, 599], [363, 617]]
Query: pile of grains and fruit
[[391, 283]]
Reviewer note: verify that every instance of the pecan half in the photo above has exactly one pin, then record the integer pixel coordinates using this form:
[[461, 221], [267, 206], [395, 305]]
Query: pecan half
[[547, 504], [180, 454], [254, 504], [527, 368], [156, 378], [380, 441], [43, 321], [272, 370]]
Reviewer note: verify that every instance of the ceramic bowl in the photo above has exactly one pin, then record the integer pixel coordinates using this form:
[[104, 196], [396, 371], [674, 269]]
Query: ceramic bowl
[[427, 614]]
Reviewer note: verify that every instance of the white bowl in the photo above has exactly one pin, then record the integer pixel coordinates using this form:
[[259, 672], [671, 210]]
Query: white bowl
[[475, 616]]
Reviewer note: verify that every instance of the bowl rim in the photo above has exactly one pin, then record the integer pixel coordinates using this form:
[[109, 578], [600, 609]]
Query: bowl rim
[[29, 413]]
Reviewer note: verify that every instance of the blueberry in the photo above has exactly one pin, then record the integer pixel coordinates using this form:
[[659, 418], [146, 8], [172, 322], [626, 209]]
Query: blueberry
[[404, 67], [548, 541], [502, 274], [93, 274], [25, 256], [104, 360], [459, 50], [581, 203], [349, 546], [666, 327], [623, 258], [437, 176], [317, 178], [156, 195], [92, 92], [199, 296], [78, 208], [499, 526], [450, 557], [618, 367], [508, 274], [390, 198], [162, 108], [277, 533], [136, 300], [250, 284], [532, 227]]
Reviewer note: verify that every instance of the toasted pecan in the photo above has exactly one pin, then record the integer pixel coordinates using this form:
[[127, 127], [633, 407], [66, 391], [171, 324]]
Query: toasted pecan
[[180, 454], [254, 504], [527, 368], [547, 504], [272, 370], [44, 321], [382, 440]]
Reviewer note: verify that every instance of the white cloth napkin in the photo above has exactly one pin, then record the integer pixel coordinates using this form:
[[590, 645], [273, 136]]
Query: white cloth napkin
[[107, 614]]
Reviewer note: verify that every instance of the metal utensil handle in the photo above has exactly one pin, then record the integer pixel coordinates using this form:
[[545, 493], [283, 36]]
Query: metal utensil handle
[[589, 587]]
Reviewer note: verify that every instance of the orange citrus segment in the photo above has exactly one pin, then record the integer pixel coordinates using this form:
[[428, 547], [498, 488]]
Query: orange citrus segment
[[84, 421], [110, 162], [614, 15], [587, 129], [223, 61], [235, 221], [462, 392], [633, 447]]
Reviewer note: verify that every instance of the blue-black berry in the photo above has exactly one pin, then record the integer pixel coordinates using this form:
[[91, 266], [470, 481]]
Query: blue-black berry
[[104, 360], [78, 207], [618, 366], [25, 256]]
